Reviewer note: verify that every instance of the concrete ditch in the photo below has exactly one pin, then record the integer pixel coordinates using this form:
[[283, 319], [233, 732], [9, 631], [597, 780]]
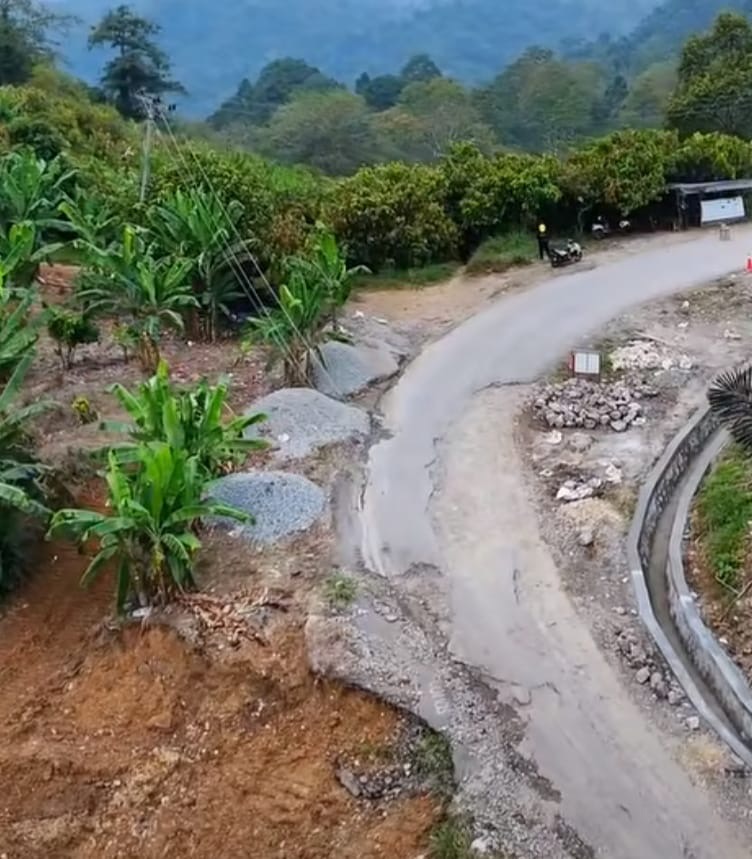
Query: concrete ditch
[[665, 604]]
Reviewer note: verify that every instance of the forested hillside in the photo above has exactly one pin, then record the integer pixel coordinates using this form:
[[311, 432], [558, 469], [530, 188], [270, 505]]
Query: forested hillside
[[213, 46], [658, 37]]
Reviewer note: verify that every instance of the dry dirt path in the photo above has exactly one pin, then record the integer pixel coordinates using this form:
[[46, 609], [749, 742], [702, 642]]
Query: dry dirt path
[[444, 489]]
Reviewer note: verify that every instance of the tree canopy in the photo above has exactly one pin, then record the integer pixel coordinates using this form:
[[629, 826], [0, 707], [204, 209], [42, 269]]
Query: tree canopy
[[714, 90], [139, 65], [26, 30], [277, 83], [329, 131]]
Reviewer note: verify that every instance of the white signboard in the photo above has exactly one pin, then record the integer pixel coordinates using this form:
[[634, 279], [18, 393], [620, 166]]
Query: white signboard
[[586, 363], [727, 209]]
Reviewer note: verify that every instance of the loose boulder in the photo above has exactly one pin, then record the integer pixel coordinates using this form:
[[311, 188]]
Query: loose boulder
[[344, 369], [300, 421], [282, 504]]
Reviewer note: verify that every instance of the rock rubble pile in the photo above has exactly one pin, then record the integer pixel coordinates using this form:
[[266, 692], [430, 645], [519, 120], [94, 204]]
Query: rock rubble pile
[[587, 405]]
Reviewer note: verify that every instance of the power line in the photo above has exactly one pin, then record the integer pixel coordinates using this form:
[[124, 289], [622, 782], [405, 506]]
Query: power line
[[238, 268]]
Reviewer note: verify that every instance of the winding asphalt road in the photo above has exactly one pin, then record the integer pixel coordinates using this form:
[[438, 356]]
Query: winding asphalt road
[[444, 490]]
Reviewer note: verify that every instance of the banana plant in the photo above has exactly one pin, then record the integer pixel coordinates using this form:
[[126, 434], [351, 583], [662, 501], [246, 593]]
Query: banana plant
[[21, 489], [149, 534], [19, 331], [197, 226], [91, 221], [198, 421], [21, 254], [147, 294], [329, 265], [293, 331], [32, 188]]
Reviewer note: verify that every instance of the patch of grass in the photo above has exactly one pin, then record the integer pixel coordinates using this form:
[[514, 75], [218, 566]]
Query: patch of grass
[[433, 761], [724, 507], [499, 253], [451, 839], [340, 590], [409, 278], [624, 500], [375, 752]]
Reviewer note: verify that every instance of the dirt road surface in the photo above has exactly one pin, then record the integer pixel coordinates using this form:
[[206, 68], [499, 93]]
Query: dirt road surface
[[444, 489]]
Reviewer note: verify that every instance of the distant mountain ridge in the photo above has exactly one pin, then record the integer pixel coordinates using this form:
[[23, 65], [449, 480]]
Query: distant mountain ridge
[[214, 45]]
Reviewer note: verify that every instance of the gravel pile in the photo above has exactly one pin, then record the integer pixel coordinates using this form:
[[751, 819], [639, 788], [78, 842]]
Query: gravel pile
[[587, 405], [300, 421], [345, 369], [282, 504]]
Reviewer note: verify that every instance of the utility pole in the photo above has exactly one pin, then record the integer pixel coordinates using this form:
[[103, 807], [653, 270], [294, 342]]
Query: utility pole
[[149, 108]]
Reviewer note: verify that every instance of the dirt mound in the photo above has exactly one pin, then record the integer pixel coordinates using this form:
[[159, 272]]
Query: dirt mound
[[146, 746]]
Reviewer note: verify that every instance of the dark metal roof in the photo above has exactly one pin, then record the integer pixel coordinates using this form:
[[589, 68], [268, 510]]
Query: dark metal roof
[[710, 187]]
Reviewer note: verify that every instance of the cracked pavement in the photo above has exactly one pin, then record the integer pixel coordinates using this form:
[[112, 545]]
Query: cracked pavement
[[619, 782]]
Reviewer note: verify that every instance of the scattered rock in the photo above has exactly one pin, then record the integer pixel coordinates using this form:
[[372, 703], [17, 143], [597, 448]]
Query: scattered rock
[[675, 697], [647, 355], [693, 723], [349, 781], [586, 537], [572, 491], [642, 676], [554, 437], [580, 441], [301, 421], [282, 504], [731, 335], [481, 846], [658, 684], [613, 474], [618, 426]]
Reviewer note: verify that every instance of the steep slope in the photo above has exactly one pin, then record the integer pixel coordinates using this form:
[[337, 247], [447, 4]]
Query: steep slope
[[215, 45]]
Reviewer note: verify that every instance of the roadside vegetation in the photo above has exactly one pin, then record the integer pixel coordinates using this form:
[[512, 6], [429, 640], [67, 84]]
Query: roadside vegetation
[[724, 508], [500, 253], [228, 245]]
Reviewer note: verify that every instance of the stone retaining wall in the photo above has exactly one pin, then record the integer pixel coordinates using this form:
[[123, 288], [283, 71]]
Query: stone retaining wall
[[693, 448], [669, 473], [715, 666]]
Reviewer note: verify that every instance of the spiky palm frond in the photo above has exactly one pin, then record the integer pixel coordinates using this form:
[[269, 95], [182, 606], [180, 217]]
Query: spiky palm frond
[[730, 398]]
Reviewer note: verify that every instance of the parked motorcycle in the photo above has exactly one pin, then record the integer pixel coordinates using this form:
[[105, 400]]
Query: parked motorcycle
[[601, 228], [566, 255]]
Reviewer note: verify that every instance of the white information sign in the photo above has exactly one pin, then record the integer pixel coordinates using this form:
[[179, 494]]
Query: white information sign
[[727, 209]]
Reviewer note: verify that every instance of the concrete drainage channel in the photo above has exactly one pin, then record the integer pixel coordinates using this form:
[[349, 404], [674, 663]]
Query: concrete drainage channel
[[710, 679]]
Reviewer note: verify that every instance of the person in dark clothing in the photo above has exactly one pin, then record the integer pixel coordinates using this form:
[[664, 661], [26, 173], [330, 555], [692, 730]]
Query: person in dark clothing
[[543, 249]]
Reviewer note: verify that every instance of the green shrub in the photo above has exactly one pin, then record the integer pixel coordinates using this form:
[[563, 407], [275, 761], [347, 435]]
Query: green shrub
[[724, 508], [624, 171], [39, 135], [340, 590], [487, 195], [708, 157], [393, 215], [69, 329], [500, 253], [278, 203]]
